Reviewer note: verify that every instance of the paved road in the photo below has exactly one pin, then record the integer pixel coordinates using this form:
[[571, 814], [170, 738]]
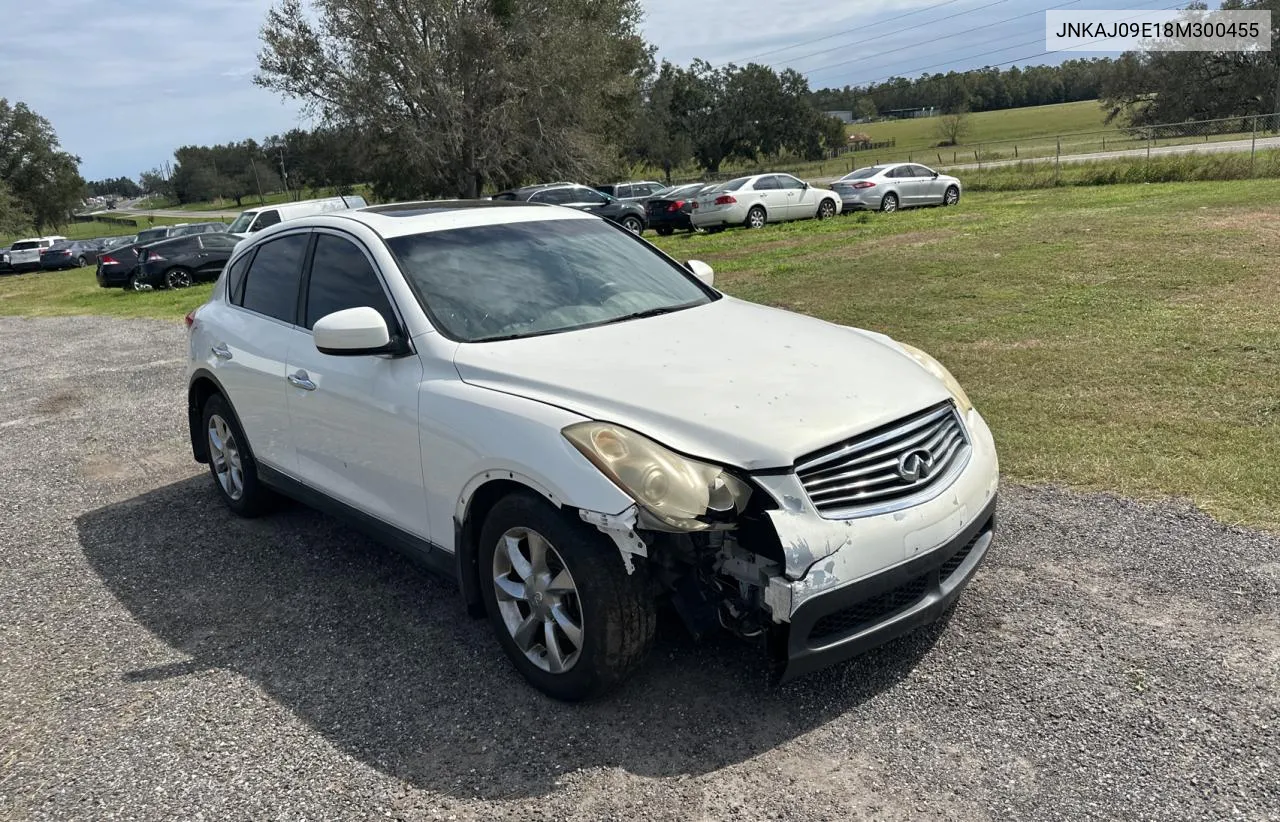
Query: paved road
[[160, 659], [193, 216]]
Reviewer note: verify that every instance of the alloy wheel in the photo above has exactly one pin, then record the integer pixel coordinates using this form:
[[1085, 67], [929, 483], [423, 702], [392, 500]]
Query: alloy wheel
[[890, 203], [224, 455], [178, 278], [538, 600], [756, 218], [951, 197]]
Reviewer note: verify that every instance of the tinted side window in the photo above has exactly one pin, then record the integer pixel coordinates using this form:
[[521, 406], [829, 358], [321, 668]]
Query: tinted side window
[[578, 194], [266, 218], [766, 184], [235, 278], [554, 195], [271, 286], [219, 242], [622, 192], [342, 277], [921, 171], [787, 181]]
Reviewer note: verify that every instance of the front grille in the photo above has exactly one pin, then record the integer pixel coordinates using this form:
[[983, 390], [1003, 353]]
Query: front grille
[[892, 463], [870, 611]]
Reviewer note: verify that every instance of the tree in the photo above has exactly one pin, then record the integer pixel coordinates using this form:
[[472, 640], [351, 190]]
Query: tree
[[865, 108], [14, 218], [451, 95], [44, 180], [952, 128], [1156, 87], [155, 182]]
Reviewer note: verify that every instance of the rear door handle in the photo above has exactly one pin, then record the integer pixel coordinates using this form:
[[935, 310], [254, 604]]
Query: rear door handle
[[301, 380], [221, 351]]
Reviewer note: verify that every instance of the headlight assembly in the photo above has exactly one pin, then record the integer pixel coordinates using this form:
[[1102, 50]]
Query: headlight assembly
[[681, 493], [938, 370]]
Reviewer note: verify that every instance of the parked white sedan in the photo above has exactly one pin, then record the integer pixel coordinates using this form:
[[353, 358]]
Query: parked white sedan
[[760, 199], [575, 426], [896, 185]]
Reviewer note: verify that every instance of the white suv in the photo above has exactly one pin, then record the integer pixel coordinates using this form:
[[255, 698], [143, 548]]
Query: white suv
[[578, 428]]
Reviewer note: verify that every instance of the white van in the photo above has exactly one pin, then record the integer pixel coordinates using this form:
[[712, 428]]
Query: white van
[[256, 219], [25, 255]]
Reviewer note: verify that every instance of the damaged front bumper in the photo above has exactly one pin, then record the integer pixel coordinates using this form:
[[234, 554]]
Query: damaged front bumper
[[852, 584]]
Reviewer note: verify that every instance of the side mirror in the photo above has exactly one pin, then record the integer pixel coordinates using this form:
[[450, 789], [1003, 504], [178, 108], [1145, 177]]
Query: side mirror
[[804, 184], [353, 332], [935, 175], [702, 271]]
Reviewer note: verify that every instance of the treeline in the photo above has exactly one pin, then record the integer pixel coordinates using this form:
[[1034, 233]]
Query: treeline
[[984, 89], [113, 187], [39, 182]]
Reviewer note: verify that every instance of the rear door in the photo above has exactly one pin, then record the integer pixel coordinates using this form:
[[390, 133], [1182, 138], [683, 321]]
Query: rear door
[[772, 197], [355, 419], [215, 250], [250, 352]]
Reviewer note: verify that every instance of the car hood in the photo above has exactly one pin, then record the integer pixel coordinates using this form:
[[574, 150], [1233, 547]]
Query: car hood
[[733, 382]]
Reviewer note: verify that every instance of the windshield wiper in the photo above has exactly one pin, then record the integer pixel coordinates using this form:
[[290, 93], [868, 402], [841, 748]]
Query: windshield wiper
[[653, 312]]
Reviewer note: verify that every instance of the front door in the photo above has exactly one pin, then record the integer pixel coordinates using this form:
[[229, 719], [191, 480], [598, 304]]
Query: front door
[[355, 418]]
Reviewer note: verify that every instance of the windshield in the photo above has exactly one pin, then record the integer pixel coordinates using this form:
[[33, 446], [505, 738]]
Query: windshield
[[524, 279], [863, 173], [241, 224]]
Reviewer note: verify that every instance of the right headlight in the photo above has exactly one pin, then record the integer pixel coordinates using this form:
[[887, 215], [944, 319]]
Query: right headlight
[[938, 370], [681, 493]]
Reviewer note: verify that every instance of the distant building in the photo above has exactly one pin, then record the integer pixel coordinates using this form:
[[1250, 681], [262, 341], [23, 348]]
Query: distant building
[[907, 113], [843, 116]]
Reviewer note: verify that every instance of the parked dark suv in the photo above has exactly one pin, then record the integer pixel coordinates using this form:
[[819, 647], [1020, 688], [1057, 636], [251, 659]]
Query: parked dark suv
[[629, 215]]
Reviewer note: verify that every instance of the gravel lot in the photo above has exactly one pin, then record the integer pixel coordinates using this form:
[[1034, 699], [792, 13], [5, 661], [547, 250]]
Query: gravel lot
[[162, 660]]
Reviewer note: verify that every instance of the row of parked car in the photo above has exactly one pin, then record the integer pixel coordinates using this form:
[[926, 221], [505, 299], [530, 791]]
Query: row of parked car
[[752, 201], [57, 253]]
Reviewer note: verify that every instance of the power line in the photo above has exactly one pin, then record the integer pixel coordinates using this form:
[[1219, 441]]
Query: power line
[[899, 31], [954, 60], [958, 33], [842, 33]]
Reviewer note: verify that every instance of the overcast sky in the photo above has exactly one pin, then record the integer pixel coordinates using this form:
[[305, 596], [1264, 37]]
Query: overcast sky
[[126, 82]]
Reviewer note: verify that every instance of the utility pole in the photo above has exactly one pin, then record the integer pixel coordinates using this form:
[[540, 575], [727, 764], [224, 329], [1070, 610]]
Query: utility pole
[[284, 175], [257, 182]]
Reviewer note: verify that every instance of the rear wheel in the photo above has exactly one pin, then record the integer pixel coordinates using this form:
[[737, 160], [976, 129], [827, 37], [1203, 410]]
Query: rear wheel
[[564, 608], [756, 217], [234, 470], [81, 262], [889, 203], [177, 278], [665, 230], [135, 284]]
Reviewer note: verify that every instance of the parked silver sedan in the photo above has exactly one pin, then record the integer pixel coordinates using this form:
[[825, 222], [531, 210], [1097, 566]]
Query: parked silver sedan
[[893, 186]]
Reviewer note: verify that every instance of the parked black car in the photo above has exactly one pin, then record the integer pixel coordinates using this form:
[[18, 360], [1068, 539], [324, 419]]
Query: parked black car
[[70, 254], [626, 214], [669, 210], [635, 190], [117, 266], [180, 261]]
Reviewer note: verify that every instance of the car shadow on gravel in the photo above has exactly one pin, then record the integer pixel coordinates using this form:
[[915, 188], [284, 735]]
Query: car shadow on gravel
[[379, 657]]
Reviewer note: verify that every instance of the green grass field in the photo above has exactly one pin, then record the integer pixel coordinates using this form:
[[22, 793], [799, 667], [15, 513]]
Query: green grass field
[[1120, 337], [95, 229]]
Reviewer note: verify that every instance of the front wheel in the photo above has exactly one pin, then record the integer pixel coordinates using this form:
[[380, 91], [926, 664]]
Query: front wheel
[[756, 217], [177, 278], [951, 197], [81, 262], [889, 203], [563, 606], [827, 210], [633, 225]]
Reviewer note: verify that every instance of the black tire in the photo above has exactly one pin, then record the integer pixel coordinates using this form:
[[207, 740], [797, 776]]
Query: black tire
[[81, 262], [178, 277], [255, 498], [713, 230], [633, 224], [889, 203], [135, 285], [951, 196], [618, 613], [665, 230], [827, 209], [756, 217]]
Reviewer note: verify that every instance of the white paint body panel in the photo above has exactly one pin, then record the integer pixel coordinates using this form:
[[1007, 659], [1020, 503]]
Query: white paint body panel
[[732, 382]]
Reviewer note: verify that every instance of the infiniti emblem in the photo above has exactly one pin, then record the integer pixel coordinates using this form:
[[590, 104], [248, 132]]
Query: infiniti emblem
[[915, 465]]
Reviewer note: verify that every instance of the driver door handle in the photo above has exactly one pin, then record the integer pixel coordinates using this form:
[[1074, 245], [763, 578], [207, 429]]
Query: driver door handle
[[301, 380]]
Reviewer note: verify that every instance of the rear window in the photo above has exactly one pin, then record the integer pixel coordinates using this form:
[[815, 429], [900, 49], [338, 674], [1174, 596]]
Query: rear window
[[863, 173], [152, 234], [733, 185]]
